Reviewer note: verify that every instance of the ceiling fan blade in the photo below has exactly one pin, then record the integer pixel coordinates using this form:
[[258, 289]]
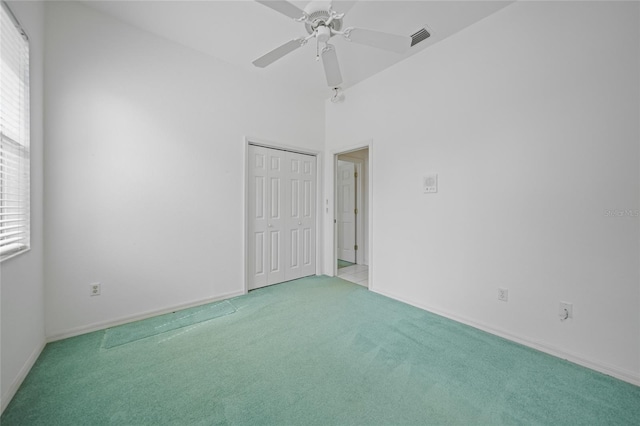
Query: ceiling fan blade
[[386, 41], [331, 66], [342, 6], [278, 53], [285, 8]]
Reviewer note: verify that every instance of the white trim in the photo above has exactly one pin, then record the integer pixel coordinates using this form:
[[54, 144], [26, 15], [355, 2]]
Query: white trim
[[97, 326], [22, 374], [625, 375], [319, 213], [249, 140], [245, 214], [282, 147], [17, 253]]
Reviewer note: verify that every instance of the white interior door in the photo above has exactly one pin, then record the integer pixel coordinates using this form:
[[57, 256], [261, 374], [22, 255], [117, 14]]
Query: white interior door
[[346, 219], [281, 228]]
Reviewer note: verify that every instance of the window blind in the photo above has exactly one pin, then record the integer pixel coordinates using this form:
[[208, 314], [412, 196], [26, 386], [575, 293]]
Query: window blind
[[14, 137]]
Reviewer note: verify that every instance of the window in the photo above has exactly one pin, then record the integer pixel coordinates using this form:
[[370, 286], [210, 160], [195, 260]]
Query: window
[[14, 137]]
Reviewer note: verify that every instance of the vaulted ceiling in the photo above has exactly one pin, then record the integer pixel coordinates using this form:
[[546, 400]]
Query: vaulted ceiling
[[238, 32]]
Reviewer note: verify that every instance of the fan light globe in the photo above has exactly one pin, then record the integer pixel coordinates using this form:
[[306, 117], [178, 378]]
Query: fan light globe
[[324, 34]]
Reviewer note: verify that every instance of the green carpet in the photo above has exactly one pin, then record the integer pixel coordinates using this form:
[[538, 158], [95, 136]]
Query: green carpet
[[131, 332], [316, 351], [344, 263]]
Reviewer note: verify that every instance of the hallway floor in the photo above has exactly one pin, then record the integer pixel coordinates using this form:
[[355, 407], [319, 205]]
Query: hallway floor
[[358, 274]]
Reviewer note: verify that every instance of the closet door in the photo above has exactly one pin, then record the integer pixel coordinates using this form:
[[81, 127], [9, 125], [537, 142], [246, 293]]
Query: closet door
[[266, 218], [300, 224], [281, 213], [277, 202]]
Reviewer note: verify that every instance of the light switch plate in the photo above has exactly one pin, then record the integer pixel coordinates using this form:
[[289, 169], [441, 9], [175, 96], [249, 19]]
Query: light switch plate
[[430, 183]]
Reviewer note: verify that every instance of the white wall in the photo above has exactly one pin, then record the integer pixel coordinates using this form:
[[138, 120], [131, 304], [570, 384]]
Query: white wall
[[144, 173], [531, 120], [21, 283]]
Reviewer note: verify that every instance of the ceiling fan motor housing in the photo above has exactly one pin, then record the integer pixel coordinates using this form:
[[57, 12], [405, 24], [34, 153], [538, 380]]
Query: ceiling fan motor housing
[[319, 13]]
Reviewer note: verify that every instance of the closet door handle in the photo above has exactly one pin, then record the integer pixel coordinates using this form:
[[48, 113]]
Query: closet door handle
[[299, 223], [270, 226]]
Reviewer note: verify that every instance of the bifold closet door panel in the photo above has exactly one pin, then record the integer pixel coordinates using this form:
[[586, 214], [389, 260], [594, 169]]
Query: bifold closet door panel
[[266, 219], [277, 202], [301, 220], [257, 218]]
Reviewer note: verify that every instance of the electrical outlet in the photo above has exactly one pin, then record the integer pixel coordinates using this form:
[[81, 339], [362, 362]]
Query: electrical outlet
[[94, 289], [565, 311], [503, 294]]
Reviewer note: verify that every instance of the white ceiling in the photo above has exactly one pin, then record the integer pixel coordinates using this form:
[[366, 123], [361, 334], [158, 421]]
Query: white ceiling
[[238, 32]]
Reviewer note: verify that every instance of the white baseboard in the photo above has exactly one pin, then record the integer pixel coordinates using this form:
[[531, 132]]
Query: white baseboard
[[627, 376], [22, 374], [89, 328]]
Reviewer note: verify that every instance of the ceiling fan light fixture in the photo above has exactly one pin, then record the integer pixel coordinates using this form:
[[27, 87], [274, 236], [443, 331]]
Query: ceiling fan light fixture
[[323, 34]]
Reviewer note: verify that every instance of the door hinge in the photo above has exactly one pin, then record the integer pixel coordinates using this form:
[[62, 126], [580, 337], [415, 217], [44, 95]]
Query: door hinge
[[355, 211], [355, 174], [355, 247]]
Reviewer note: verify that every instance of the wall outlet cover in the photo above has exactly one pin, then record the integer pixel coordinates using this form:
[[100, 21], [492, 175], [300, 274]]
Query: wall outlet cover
[[503, 294], [565, 311], [94, 289]]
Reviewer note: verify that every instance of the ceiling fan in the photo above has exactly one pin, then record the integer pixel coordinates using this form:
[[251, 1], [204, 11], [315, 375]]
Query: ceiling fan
[[323, 20]]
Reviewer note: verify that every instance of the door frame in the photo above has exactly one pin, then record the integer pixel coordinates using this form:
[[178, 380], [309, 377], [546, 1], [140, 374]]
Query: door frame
[[248, 140], [369, 213]]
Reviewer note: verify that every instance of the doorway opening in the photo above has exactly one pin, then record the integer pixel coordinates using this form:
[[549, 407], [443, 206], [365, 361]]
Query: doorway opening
[[351, 198]]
